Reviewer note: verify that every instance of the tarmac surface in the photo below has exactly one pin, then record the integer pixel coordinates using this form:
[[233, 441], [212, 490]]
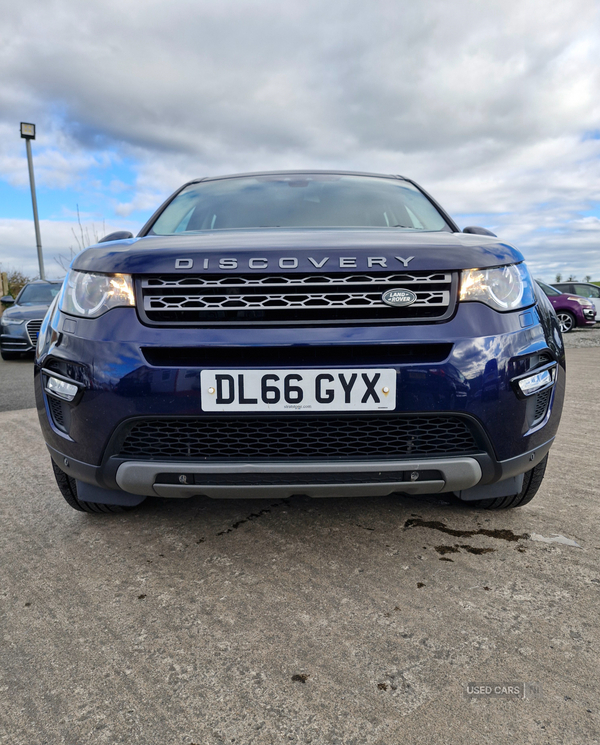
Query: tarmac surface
[[16, 384], [337, 622]]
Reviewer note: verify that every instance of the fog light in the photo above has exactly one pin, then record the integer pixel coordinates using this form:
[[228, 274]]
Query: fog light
[[61, 388], [535, 383]]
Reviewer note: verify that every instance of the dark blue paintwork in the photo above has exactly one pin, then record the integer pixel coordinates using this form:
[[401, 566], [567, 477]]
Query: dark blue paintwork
[[435, 251]]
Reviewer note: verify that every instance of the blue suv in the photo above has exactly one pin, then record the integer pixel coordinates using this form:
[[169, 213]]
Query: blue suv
[[309, 332]]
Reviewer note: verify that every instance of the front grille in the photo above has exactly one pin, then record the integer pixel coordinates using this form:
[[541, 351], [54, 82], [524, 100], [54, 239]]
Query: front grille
[[213, 300], [33, 329], [297, 436]]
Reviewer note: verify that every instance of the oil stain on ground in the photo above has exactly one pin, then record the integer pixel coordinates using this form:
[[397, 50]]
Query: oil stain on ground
[[456, 548], [252, 516], [446, 549], [478, 551], [505, 535]]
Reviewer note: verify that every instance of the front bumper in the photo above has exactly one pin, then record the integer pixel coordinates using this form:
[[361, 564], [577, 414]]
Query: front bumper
[[243, 480], [589, 316], [345, 479], [16, 338], [125, 375]]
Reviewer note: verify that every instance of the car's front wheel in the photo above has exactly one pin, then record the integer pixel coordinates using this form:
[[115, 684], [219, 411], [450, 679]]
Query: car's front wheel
[[566, 321], [68, 488], [531, 483]]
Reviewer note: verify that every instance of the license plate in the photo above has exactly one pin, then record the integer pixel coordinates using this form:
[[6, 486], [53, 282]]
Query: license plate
[[302, 390]]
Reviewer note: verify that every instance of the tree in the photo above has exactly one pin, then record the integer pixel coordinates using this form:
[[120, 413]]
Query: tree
[[587, 278], [16, 281], [558, 277], [571, 278], [83, 240]]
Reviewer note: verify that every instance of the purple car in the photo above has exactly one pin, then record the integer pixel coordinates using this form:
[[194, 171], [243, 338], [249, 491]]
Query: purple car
[[571, 310]]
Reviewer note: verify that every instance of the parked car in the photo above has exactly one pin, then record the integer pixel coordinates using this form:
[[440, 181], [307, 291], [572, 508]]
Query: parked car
[[316, 333], [582, 289], [572, 311], [21, 321]]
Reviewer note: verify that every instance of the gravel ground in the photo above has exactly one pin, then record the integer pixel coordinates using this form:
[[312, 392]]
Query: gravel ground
[[322, 622], [583, 337]]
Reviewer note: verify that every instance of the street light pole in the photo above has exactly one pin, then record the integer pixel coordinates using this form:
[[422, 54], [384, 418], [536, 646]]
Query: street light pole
[[28, 134]]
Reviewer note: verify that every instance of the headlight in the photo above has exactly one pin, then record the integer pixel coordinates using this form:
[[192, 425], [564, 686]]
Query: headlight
[[12, 321], [90, 295], [502, 288], [580, 300]]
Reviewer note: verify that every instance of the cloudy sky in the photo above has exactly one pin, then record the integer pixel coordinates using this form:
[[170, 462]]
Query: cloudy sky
[[494, 107]]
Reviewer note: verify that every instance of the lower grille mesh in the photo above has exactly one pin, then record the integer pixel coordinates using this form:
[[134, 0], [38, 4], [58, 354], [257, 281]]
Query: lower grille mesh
[[56, 408], [541, 405], [312, 437]]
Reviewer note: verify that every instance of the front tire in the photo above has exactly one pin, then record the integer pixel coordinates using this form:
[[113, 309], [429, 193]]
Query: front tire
[[566, 321], [68, 488], [531, 483]]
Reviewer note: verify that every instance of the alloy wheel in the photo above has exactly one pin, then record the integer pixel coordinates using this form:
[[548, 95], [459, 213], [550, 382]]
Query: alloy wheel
[[566, 322]]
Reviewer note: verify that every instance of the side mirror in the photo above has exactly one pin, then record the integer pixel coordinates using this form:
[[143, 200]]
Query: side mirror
[[7, 300], [479, 231], [120, 235]]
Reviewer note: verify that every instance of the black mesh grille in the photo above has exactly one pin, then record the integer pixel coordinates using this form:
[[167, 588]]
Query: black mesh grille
[[56, 409], [299, 437], [541, 405]]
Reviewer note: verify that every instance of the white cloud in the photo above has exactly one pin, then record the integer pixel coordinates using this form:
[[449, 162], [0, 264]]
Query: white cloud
[[589, 224], [59, 160], [61, 240], [494, 107]]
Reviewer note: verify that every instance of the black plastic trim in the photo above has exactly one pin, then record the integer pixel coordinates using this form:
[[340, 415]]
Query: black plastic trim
[[304, 355], [533, 371]]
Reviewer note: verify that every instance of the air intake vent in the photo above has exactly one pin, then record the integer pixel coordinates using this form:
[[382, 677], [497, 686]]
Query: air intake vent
[[57, 409], [541, 405], [314, 437]]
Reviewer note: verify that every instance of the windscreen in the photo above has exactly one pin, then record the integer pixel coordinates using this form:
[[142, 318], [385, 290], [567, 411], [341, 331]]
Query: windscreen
[[299, 201], [550, 291], [39, 294]]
